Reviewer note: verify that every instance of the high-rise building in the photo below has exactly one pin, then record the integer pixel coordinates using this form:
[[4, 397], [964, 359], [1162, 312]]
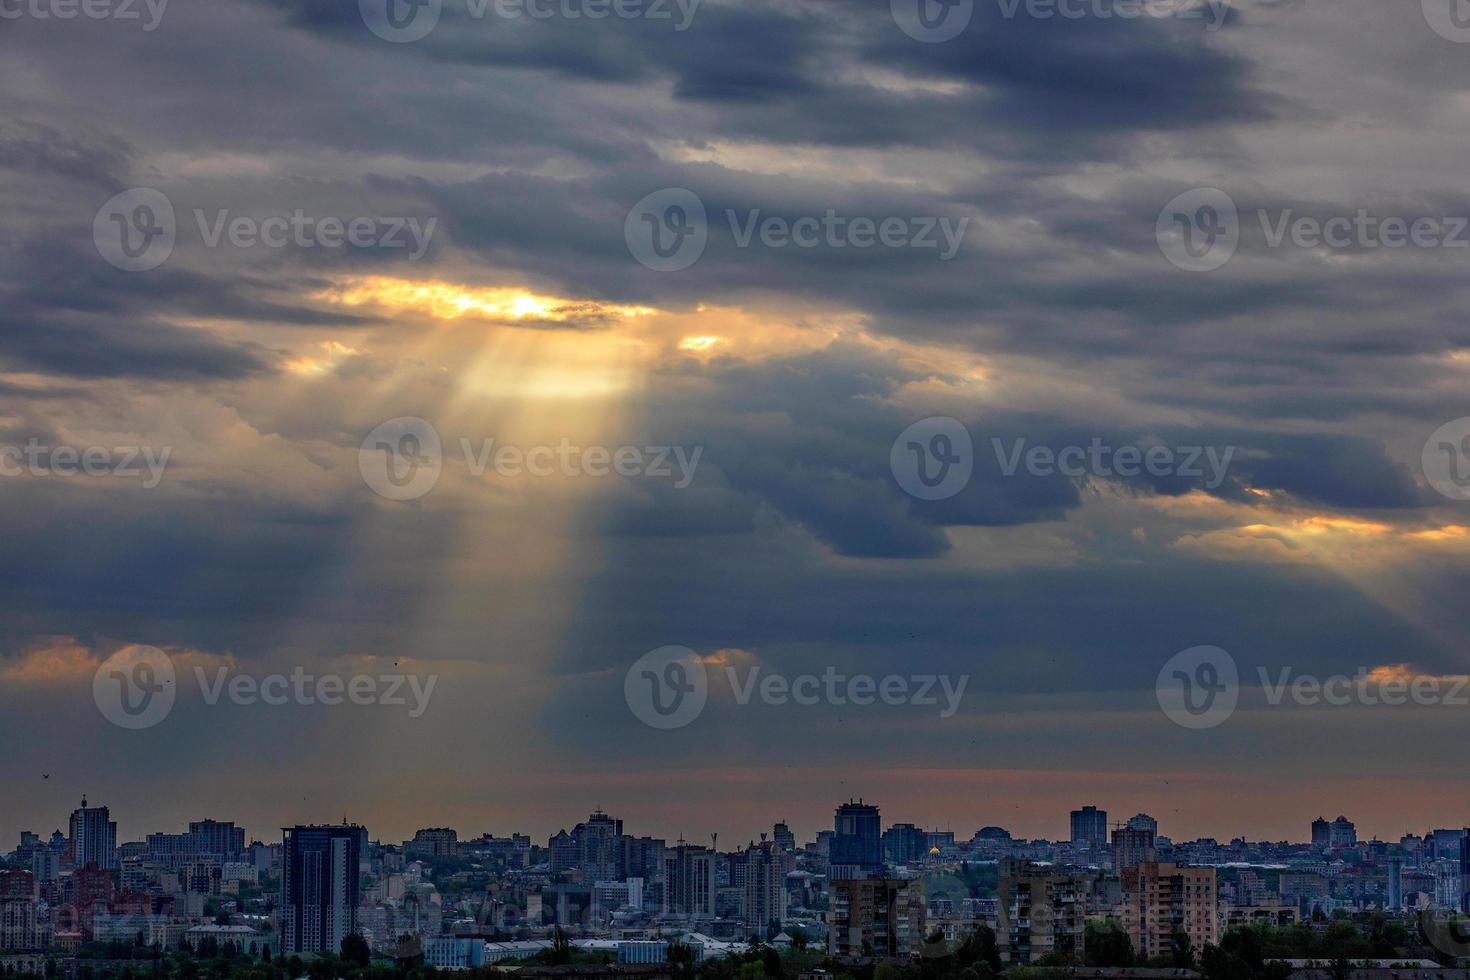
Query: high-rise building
[[19, 931], [643, 857], [903, 843], [432, 842], [319, 887], [1162, 899], [1039, 910], [857, 842], [218, 839], [1132, 846], [1321, 833], [690, 873], [784, 838], [1344, 833], [93, 838], [1090, 827], [882, 917], [1395, 884], [1142, 821], [765, 887], [1465, 871], [594, 847]]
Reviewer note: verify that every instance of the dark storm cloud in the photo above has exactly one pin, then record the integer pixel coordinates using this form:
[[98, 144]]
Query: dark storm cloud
[[829, 470], [1093, 74]]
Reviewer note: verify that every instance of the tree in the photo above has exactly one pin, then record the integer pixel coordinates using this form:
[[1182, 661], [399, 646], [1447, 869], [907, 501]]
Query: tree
[[355, 951], [1219, 964], [1106, 945], [561, 948], [977, 948], [1181, 950]]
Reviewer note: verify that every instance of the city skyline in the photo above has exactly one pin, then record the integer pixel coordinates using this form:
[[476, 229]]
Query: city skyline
[[699, 835]]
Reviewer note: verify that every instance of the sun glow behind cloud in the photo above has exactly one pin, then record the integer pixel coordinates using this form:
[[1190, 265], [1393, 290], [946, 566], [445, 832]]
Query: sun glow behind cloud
[[452, 301]]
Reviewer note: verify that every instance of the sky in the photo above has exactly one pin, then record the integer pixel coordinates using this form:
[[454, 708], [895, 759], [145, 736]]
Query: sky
[[324, 419]]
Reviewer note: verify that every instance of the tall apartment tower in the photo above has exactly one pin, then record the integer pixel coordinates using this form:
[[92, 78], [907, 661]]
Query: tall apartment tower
[[93, 837], [1465, 871], [765, 887], [18, 927], [784, 838], [1160, 899], [1132, 846], [881, 917], [219, 839], [857, 842], [319, 887], [690, 876], [1090, 827], [1321, 833], [1039, 910]]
